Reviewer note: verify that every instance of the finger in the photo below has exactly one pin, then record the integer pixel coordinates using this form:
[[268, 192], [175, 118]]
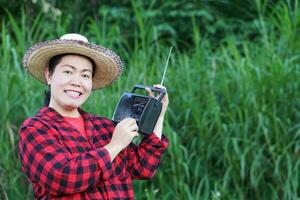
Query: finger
[[129, 120], [135, 134], [133, 127], [160, 86], [150, 93]]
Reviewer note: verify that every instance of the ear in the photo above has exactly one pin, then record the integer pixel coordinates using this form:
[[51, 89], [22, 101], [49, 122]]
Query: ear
[[47, 76]]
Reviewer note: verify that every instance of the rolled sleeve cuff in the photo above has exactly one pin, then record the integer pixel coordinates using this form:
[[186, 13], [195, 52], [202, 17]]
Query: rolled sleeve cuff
[[103, 159], [163, 142], [156, 144]]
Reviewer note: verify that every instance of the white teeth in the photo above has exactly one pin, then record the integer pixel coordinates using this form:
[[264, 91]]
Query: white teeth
[[73, 93]]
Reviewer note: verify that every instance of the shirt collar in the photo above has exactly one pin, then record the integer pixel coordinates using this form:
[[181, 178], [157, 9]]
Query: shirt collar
[[53, 114]]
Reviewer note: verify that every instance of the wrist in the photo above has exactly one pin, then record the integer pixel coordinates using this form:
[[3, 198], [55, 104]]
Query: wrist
[[115, 147], [113, 150]]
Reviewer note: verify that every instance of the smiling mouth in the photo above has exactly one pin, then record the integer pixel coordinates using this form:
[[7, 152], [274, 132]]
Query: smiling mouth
[[73, 93]]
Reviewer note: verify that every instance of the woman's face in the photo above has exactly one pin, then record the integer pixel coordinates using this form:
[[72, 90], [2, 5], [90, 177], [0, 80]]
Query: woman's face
[[71, 83]]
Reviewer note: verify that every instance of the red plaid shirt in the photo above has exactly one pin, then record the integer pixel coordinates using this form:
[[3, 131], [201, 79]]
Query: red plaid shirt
[[62, 164]]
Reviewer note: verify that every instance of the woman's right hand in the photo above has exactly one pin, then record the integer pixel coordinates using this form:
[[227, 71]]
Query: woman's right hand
[[124, 132]]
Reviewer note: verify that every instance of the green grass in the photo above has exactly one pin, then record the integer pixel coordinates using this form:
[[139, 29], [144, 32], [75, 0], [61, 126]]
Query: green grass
[[233, 118]]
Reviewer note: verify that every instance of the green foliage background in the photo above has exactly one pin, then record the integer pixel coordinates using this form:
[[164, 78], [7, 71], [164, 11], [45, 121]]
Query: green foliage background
[[233, 82]]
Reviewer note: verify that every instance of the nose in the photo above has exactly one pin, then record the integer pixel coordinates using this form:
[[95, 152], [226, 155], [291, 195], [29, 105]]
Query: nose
[[75, 80]]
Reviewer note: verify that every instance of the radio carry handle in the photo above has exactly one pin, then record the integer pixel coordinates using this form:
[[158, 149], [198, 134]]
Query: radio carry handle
[[161, 91]]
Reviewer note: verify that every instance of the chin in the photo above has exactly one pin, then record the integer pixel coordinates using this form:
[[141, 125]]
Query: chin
[[72, 106]]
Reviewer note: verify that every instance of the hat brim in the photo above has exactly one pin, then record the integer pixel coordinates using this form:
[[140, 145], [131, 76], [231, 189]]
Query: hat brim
[[108, 64]]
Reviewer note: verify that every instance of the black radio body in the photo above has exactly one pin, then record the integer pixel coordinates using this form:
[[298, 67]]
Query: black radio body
[[145, 109]]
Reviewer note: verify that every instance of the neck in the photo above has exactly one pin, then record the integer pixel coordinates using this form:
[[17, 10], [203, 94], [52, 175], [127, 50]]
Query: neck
[[66, 112]]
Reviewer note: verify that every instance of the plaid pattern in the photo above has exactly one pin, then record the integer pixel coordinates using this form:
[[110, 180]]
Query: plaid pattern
[[62, 164]]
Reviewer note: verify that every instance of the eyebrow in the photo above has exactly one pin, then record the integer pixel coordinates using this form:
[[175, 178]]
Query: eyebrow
[[67, 65]]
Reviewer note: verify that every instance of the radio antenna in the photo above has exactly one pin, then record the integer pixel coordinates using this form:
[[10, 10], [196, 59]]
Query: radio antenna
[[162, 80]]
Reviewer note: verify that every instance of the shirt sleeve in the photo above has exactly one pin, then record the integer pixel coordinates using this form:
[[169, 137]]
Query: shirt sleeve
[[144, 159], [46, 162]]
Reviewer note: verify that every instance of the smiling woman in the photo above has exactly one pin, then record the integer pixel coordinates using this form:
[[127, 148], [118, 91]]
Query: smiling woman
[[71, 83], [52, 64], [68, 153]]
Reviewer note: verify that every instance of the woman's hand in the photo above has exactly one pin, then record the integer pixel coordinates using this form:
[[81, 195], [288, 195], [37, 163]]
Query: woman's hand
[[165, 100], [124, 132]]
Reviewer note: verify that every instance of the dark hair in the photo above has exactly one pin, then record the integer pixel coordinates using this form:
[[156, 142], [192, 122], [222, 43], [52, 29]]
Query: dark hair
[[53, 62]]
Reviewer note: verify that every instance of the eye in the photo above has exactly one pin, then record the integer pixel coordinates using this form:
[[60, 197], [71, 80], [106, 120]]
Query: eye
[[67, 72], [86, 76]]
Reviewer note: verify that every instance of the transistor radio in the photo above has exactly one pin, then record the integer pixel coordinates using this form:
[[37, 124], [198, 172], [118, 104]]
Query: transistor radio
[[145, 109]]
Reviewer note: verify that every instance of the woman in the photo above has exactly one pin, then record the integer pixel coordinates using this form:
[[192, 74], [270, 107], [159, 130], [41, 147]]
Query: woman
[[70, 154]]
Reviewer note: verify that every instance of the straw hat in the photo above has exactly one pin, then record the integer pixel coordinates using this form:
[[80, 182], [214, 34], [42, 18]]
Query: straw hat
[[108, 64]]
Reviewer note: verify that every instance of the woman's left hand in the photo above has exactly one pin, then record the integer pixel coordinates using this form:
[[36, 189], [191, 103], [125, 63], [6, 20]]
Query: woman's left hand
[[165, 100]]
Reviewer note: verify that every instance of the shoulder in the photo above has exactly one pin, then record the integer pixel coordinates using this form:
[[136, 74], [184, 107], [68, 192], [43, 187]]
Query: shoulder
[[32, 130], [40, 120], [31, 123]]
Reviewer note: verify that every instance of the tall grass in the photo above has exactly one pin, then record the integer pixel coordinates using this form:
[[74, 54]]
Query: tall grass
[[233, 119]]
